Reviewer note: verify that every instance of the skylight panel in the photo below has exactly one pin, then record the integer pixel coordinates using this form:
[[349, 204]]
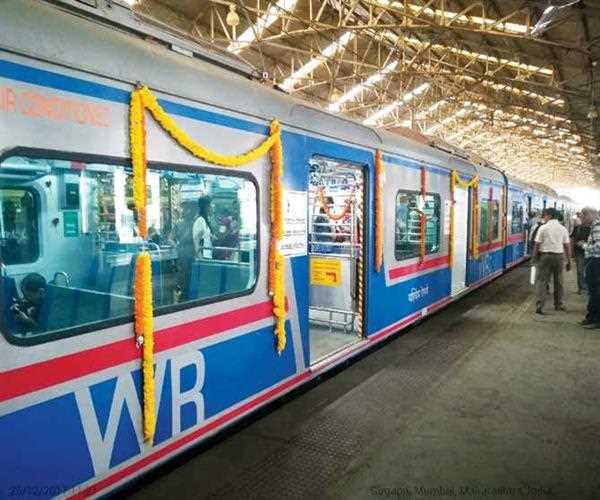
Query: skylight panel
[[290, 82], [357, 89], [405, 99]]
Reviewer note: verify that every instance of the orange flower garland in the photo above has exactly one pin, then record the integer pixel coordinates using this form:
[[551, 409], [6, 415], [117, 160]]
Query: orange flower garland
[[142, 99], [451, 229], [379, 179], [276, 260], [473, 183], [142, 288], [143, 328]]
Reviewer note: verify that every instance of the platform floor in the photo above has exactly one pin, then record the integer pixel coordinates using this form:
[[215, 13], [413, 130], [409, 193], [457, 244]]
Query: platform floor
[[483, 395]]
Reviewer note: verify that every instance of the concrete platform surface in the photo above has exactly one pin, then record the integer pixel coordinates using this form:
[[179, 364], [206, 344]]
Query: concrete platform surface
[[483, 400]]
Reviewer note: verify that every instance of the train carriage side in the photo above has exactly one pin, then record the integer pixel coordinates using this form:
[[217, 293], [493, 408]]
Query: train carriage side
[[70, 383], [67, 218], [417, 275], [516, 216], [486, 261]]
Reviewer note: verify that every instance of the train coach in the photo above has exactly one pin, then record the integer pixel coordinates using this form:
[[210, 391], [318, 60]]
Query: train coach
[[71, 398]]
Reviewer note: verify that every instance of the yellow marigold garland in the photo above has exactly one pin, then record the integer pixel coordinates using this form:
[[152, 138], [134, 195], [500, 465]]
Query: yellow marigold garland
[[142, 288], [476, 216], [473, 183], [142, 99], [144, 330], [150, 102], [276, 260], [451, 229], [423, 218], [137, 132], [379, 179]]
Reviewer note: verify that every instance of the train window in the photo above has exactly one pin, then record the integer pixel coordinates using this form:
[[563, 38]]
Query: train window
[[409, 206], [516, 225], [18, 225], [202, 241], [489, 228]]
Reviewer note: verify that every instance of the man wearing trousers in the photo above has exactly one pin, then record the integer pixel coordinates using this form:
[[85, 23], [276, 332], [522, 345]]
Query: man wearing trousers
[[592, 269], [579, 236], [550, 252]]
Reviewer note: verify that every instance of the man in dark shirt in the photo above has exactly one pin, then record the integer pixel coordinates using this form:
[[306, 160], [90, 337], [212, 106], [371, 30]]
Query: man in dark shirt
[[27, 310], [323, 229], [580, 234]]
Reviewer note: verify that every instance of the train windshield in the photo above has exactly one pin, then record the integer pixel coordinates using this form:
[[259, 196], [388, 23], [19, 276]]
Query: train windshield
[[69, 240]]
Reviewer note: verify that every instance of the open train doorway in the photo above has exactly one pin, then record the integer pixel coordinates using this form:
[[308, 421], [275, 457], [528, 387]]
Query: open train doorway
[[461, 238], [335, 209]]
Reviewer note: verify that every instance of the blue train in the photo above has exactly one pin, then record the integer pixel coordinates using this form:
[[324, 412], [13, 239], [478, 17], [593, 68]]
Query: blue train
[[70, 380]]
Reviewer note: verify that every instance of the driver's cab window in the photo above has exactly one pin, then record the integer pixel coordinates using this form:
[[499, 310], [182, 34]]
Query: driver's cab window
[[69, 240]]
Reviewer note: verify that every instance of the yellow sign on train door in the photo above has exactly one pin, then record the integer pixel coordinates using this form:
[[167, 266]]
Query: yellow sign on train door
[[325, 272]]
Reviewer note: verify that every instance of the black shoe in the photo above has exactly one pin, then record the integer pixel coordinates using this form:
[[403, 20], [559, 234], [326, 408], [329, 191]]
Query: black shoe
[[538, 310], [586, 322], [560, 308]]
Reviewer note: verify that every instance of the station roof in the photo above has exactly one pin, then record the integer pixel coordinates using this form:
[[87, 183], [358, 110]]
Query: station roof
[[515, 82]]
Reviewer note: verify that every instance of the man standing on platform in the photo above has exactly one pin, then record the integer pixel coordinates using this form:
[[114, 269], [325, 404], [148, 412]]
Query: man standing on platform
[[579, 236], [549, 252], [592, 269]]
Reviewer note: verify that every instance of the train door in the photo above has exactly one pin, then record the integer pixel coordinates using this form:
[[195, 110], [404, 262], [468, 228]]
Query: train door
[[461, 238], [335, 211]]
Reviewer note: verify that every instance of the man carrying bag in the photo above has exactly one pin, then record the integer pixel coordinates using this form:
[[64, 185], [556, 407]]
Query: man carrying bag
[[551, 246]]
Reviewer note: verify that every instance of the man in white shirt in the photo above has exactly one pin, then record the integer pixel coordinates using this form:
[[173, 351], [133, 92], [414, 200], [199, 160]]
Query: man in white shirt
[[549, 252]]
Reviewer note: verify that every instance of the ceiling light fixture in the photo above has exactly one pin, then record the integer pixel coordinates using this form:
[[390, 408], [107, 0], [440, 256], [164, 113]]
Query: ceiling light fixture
[[256, 30]]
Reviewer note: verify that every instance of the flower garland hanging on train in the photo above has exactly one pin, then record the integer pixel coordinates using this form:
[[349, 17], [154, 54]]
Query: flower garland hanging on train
[[473, 183], [379, 180], [142, 99], [345, 211]]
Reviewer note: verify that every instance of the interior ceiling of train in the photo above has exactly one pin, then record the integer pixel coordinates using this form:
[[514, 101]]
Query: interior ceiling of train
[[513, 82]]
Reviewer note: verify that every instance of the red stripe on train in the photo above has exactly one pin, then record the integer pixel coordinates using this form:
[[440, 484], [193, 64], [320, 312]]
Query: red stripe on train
[[399, 272], [515, 238], [54, 371], [490, 246]]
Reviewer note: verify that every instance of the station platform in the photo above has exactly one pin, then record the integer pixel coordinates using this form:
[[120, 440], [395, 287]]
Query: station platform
[[483, 400]]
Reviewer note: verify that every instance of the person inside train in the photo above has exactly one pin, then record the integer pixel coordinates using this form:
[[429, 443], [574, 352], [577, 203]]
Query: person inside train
[[182, 237], [322, 228], [228, 236], [201, 231], [591, 217], [551, 251], [27, 310], [579, 236]]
